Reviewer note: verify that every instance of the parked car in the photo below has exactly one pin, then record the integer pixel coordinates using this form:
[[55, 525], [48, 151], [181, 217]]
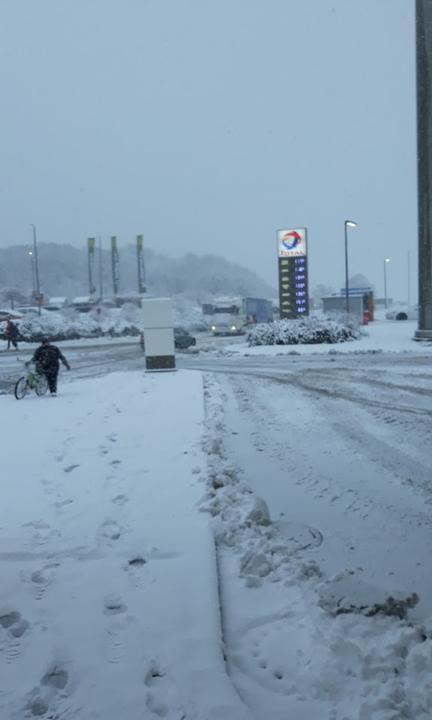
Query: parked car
[[9, 315], [30, 311], [403, 313], [183, 339]]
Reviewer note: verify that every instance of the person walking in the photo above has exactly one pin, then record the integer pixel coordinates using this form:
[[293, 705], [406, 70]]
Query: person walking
[[47, 358], [12, 334]]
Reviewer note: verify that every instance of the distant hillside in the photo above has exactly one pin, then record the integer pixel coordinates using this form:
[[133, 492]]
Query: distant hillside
[[63, 271]]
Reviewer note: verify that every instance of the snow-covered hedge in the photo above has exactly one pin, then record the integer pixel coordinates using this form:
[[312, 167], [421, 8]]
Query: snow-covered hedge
[[72, 326], [307, 331]]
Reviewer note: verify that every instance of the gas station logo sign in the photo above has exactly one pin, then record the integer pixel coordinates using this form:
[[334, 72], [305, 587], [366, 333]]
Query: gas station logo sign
[[293, 273], [292, 243]]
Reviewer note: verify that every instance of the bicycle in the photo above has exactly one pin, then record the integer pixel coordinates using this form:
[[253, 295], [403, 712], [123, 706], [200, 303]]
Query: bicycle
[[32, 381]]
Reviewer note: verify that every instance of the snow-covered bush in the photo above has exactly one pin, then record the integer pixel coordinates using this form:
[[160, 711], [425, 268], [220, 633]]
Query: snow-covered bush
[[115, 322], [313, 330], [72, 326]]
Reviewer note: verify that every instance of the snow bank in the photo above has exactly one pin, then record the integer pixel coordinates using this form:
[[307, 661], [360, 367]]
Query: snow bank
[[299, 644], [316, 329]]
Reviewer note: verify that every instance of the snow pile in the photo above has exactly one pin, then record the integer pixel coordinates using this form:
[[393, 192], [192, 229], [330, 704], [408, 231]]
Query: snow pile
[[298, 644], [346, 594], [313, 330]]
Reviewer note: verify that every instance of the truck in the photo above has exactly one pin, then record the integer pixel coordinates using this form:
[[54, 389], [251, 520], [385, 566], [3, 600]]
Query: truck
[[231, 316], [257, 310]]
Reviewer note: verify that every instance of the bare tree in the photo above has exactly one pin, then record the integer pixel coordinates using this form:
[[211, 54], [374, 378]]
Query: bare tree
[[12, 296]]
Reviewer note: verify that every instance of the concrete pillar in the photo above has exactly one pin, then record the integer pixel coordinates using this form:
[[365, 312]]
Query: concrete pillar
[[424, 164]]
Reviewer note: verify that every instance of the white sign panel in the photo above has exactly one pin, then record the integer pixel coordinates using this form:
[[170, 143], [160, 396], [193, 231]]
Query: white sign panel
[[292, 243], [158, 334]]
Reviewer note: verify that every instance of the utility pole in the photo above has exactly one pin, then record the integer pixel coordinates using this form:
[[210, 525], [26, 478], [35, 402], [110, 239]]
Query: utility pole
[[30, 254], [409, 279], [115, 265], [347, 224], [424, 165], [386, 260], [140, 262], [36, 267], [91, 244], [101, 289]]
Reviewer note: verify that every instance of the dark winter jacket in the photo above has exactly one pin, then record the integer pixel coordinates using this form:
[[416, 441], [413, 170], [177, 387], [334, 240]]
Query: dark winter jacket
[[12, 331], [47, 358]]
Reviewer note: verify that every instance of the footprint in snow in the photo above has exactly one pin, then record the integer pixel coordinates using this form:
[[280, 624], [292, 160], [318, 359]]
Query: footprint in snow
[[137, 562], [42, 578], [56, 677], [163, 698], [14, 627], [120, 499], [114, 641], [113, 605], [60, 504], [70, 468], [109, 531], [9, 617], [44, 698], [41, 531], [136, 573]]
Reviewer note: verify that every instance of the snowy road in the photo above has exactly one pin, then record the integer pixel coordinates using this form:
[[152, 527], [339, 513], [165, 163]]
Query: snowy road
[[89, 358], [86, 361], [342, 445], [339, 443]]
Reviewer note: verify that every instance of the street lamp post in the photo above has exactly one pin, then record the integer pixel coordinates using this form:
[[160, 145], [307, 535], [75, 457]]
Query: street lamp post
[[30, 254], [386, 260], [351, 224], [36, 267]]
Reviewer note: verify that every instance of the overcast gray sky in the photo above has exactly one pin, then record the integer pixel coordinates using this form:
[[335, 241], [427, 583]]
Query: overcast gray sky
[[208, 124]]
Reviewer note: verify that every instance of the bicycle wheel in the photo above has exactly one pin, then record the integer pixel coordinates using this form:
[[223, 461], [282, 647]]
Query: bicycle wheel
[[41, 385], [21, 388]]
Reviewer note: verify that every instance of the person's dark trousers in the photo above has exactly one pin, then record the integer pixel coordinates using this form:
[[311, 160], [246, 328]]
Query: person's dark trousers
[[51, 376], [12, 342]]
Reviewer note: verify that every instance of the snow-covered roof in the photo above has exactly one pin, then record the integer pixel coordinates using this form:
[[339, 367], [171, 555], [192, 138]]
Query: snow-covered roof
[[83, 300], [57, 301]]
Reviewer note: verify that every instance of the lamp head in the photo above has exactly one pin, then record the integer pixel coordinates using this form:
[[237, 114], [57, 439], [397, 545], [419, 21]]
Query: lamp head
[[350, 223]]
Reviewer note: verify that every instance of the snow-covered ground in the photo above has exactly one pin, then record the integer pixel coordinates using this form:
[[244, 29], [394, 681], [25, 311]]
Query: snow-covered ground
[[220, 552], [378, 336], [109, 599]]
